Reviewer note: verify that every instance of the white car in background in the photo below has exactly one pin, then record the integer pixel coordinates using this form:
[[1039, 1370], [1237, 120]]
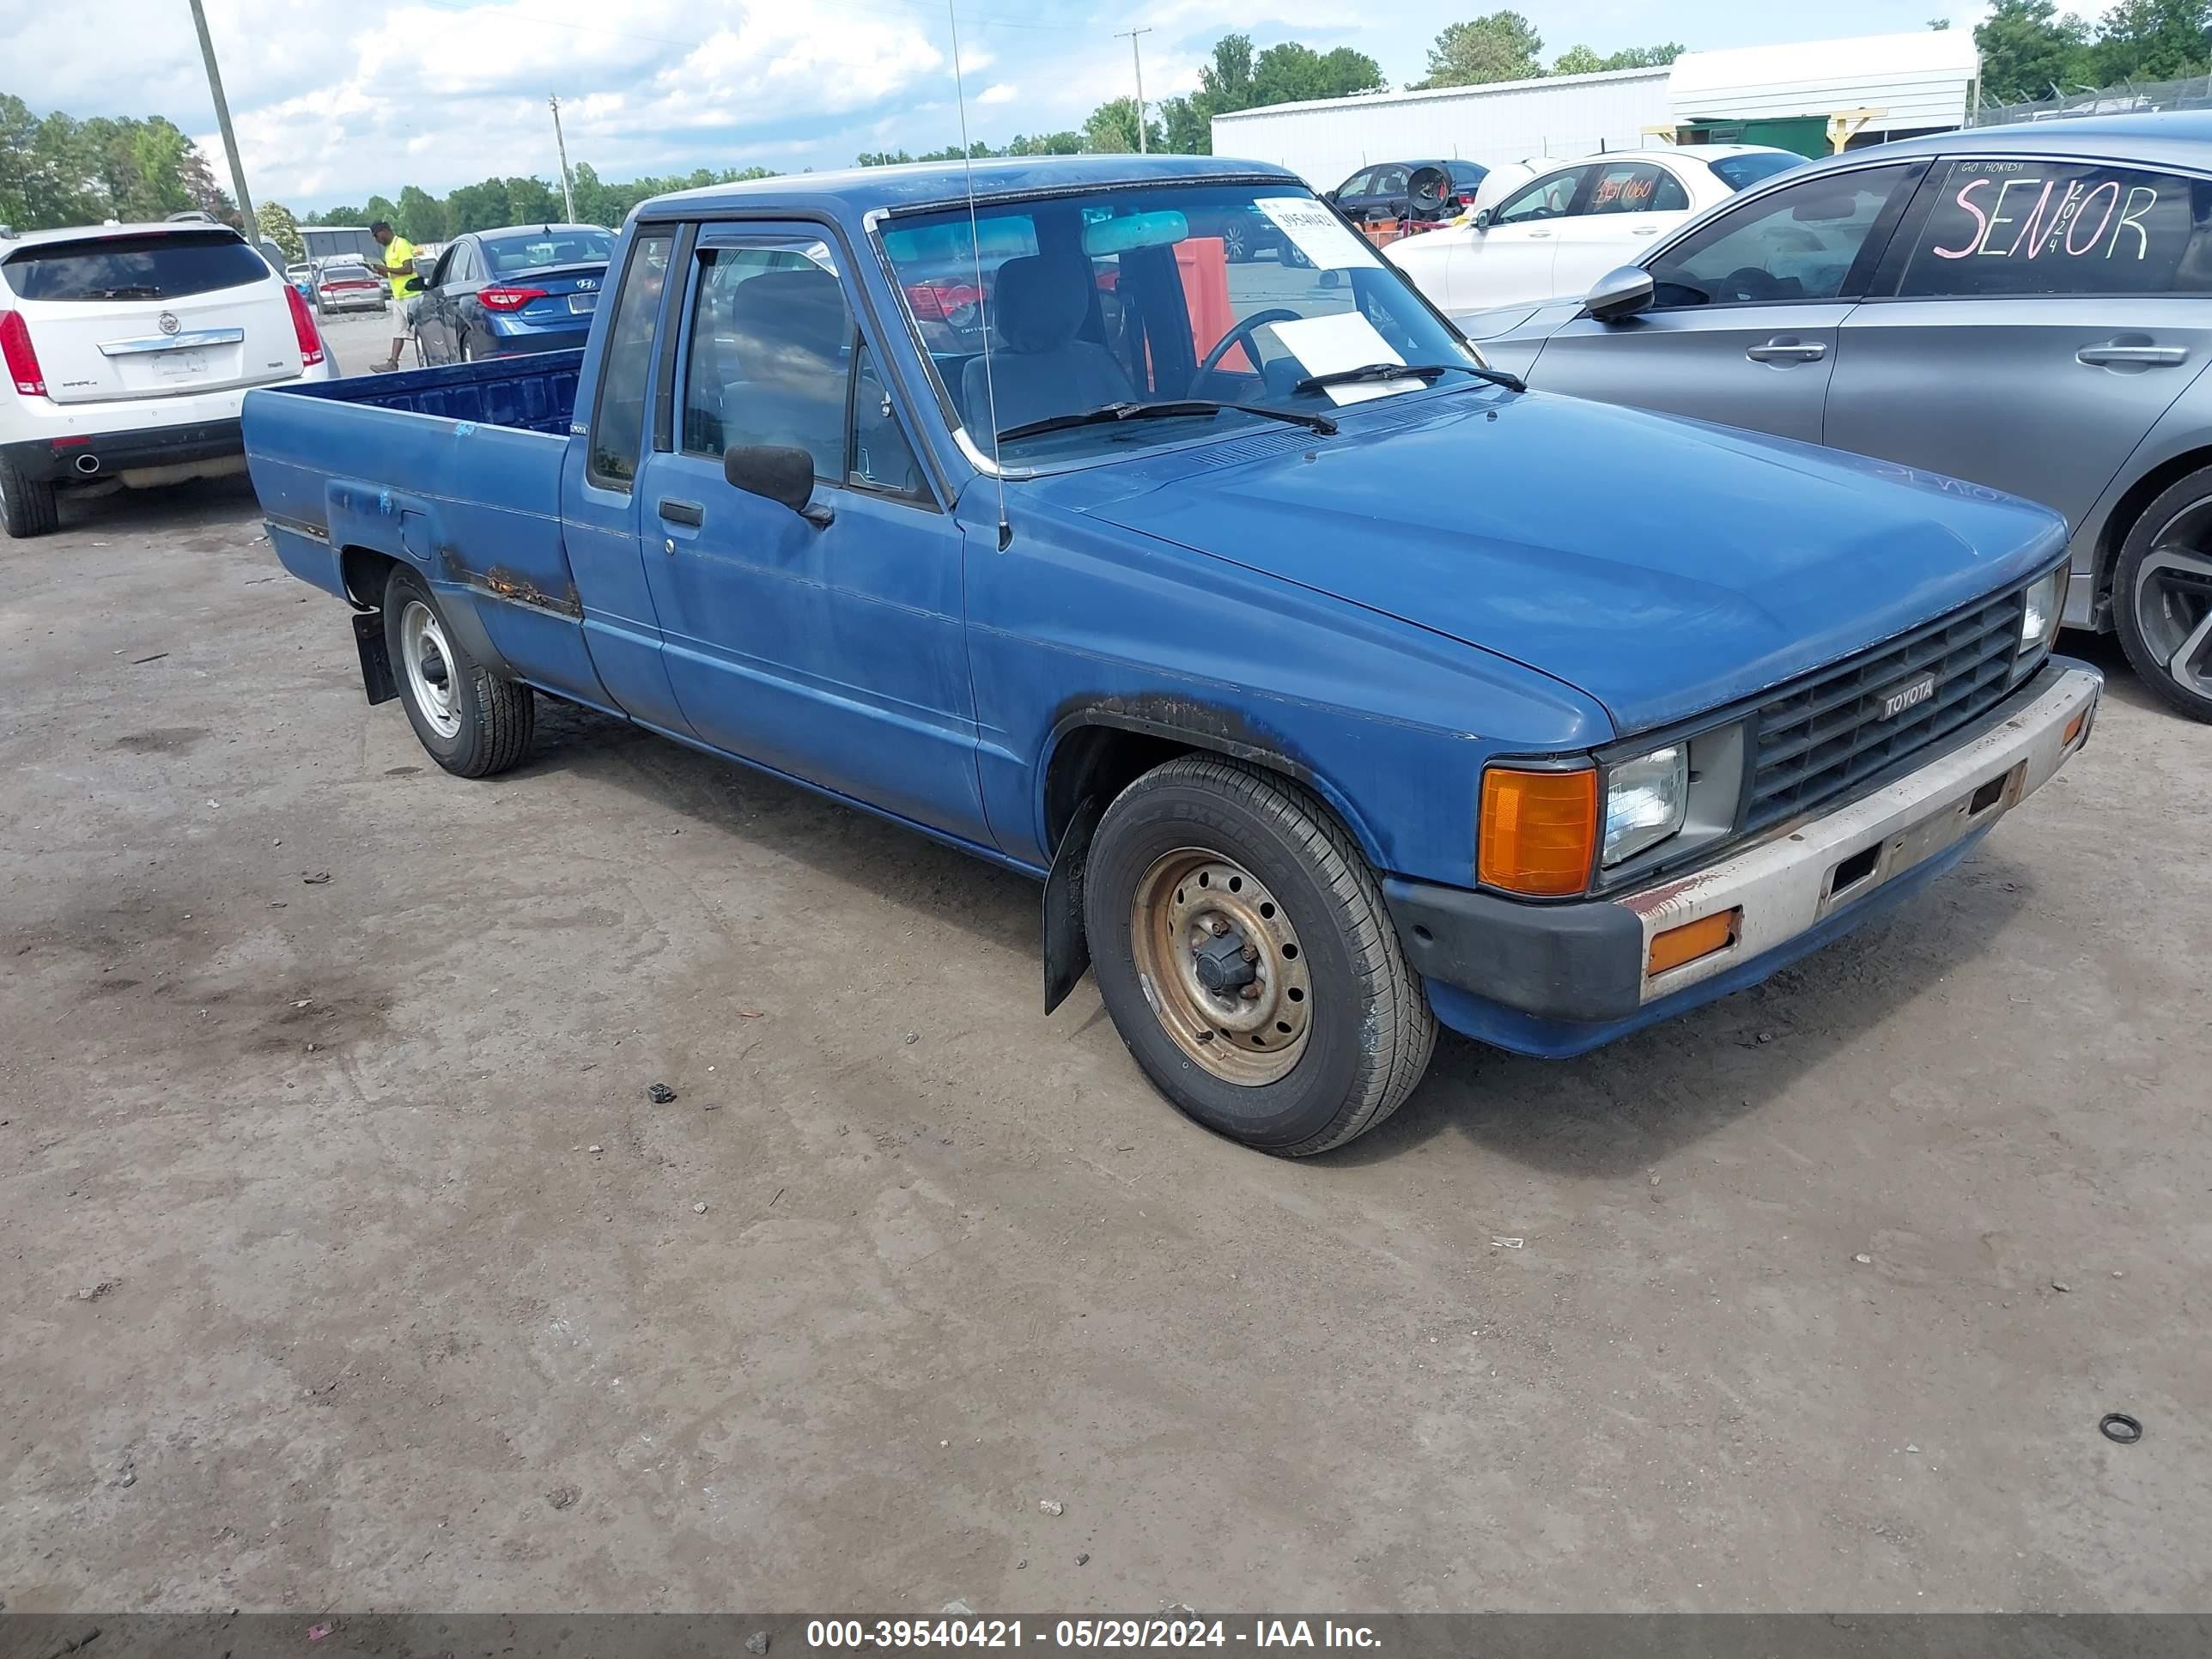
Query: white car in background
[[1570, 224], [127, 350]]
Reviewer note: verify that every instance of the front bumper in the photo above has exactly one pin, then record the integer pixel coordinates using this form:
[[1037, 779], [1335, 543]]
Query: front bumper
[[1561, 979]]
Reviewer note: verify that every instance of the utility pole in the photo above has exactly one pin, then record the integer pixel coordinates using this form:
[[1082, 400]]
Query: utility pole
[[222, 124], [1137, 58], [567, 195]]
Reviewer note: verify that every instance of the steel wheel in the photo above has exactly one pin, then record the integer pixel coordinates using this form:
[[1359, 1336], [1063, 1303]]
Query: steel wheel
[[1221, 966], [428, 661], [2171, 598]]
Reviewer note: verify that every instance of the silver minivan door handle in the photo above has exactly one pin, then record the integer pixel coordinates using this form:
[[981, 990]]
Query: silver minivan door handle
[[1787, 350], [2147, 356]]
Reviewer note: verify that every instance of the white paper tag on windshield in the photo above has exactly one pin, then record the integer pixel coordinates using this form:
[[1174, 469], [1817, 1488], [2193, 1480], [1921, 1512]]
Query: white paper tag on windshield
[[1319, 234], [1344, 339]]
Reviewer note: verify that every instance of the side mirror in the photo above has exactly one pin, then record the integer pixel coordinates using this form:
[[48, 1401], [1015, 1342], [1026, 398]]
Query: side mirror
[[779, 473], [1618, 294], [1482, 218], [1329, 196]]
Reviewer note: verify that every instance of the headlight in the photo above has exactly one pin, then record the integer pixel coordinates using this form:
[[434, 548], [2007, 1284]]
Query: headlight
[[1645, 800], [2038, 620]]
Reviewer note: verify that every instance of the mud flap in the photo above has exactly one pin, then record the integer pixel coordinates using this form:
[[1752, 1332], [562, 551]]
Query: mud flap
[[376, 681], [1067, 952]]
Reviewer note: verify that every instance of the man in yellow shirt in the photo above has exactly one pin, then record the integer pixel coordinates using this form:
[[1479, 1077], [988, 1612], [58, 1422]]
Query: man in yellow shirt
[[406, 287]]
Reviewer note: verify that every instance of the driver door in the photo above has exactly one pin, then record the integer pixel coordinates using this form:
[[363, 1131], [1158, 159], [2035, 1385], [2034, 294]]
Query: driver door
[[1743, 325], [1509, 259], [432, 322]]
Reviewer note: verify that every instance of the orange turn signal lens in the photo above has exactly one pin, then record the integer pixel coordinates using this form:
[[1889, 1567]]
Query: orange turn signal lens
[[2073, 729], [1694, 940], [1538, 831]]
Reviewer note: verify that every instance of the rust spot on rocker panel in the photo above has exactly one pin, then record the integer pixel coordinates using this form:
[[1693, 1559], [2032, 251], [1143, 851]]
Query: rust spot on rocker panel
[[502, 583], [508, 585]]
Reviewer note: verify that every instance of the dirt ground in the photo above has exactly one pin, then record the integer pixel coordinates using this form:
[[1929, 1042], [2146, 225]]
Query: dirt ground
[[348, 1264]]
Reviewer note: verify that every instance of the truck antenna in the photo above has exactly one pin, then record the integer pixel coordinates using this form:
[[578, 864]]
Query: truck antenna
[[982, 306]]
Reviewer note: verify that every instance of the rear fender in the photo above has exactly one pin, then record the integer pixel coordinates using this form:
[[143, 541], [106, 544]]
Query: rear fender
[[406, 528]]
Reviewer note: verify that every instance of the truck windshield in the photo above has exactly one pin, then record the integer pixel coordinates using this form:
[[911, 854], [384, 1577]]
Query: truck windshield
[[1253, 293]]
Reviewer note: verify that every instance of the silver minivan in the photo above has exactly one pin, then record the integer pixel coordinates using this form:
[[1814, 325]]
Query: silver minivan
[[2028, 309]]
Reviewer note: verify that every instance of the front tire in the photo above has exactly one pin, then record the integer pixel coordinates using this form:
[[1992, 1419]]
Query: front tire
[[28, 507], [2162, 596], [1244, 953], [473, 723]]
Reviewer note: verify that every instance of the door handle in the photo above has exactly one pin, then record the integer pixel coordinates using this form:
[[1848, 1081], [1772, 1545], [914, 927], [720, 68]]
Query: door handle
[[1538, 236], [1787, 350], [678, 512], [1645, 230], [2148, 356]]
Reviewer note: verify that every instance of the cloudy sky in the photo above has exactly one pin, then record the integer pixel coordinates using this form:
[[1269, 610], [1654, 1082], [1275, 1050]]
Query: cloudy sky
[[335, 100]]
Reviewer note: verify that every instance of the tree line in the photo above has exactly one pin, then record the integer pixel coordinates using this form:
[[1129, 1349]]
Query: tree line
[[56, 170], [2032, 51], [1501, 47]]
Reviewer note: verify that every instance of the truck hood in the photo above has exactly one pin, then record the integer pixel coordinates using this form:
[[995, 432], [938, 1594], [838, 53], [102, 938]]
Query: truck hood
[[1661, 566]]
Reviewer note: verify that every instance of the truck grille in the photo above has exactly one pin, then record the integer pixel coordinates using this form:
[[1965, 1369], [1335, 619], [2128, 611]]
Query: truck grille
[[1820, 736]]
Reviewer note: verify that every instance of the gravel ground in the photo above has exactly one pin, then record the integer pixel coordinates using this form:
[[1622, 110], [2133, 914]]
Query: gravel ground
[[348, 1263]]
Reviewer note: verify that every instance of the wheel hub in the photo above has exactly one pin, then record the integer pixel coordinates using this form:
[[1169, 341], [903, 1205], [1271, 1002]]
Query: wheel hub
[[1222, 967], [1224, 962], [426, 659]]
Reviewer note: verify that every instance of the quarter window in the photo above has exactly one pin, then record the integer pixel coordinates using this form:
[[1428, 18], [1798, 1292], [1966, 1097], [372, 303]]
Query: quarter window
[[618, 421], [1801, 242], [882, 458], [1999, 229]]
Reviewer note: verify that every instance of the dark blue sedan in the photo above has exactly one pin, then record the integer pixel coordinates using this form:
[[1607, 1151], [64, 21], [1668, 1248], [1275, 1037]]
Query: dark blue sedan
[[525, 287]]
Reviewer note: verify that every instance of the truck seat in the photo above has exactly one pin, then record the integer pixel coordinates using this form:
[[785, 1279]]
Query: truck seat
[[1038, 367]]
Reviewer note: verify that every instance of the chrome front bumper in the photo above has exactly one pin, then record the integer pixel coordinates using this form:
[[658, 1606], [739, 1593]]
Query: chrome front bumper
[[1813, 869]]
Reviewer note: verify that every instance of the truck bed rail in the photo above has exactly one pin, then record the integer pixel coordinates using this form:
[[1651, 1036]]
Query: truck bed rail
[[532, 394]]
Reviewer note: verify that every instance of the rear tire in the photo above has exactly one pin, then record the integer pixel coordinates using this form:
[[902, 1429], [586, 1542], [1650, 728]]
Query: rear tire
[[2162, 596], [28, 508], [473, 723], [1206, 856]]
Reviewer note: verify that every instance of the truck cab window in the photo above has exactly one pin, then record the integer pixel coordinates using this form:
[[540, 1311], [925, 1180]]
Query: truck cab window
[[618, 420], [769, 349]]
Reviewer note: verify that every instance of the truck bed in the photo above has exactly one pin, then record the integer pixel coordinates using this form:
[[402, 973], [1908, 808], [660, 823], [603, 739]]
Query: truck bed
[[532, 394], [455, 470]]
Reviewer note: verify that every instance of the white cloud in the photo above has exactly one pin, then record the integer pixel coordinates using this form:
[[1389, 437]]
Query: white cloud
[[1000, 93]]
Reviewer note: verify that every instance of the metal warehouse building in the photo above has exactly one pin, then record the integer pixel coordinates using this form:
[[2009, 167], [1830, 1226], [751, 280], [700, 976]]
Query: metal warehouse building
[[1880, 86]]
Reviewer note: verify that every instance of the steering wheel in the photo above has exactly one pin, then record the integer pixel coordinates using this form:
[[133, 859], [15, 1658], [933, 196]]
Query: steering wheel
[[1241, 334], [1754, 282]]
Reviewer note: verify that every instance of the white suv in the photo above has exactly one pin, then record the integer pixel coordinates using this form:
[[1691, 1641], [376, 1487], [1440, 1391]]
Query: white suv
[[127, 350]]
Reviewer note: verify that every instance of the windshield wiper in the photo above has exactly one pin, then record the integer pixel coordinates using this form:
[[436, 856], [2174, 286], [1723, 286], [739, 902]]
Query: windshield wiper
[[1409, 372], [1126, 410]]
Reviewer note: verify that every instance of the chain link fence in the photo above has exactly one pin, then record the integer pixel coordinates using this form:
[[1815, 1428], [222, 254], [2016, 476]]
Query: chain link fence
[[2129, 98]]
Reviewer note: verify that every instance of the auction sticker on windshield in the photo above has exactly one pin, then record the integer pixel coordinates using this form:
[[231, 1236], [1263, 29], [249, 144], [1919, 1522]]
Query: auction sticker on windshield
[[1343, 339], [1318, 234]]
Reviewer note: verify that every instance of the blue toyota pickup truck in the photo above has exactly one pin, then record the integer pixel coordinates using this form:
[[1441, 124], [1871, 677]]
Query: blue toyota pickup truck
[[1333, 685]]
